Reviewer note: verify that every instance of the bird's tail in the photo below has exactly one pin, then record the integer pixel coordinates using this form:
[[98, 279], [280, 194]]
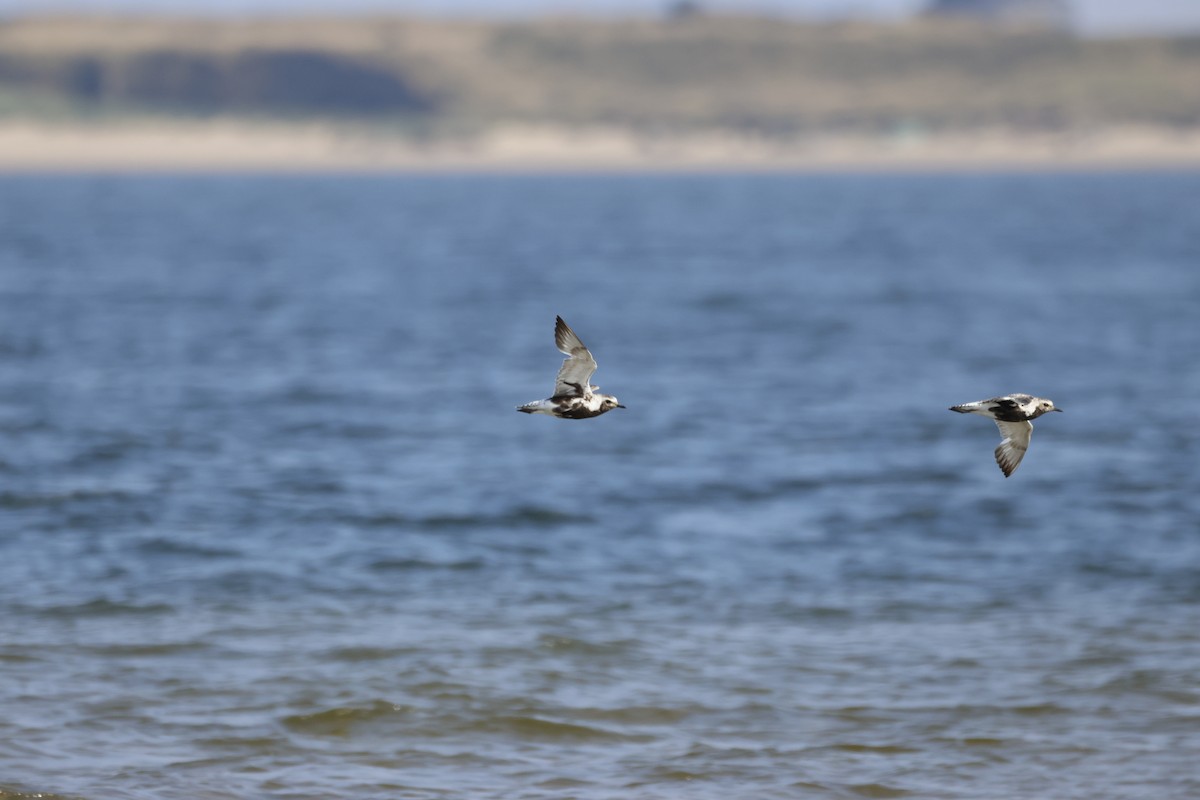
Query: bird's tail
[[530, 408]]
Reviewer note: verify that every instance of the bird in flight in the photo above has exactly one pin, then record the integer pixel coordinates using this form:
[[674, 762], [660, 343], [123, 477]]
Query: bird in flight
[[1012, 414], [574, 396]]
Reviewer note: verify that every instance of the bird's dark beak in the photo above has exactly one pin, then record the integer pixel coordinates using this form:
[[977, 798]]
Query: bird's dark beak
[[620, 406], [1058, 409]]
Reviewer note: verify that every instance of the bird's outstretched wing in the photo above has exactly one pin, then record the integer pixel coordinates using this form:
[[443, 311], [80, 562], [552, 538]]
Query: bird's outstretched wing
[[575, 375], [1016, 441]]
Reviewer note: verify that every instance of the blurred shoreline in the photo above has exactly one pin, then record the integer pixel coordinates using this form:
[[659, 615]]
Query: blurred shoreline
[[239, 145], [691, 92]]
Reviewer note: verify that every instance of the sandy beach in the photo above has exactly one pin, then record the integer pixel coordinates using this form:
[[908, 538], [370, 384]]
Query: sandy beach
[[236, 145]]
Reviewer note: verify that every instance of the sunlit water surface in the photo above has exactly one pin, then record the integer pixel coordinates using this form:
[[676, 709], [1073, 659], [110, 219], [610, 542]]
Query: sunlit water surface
[[271, 526]]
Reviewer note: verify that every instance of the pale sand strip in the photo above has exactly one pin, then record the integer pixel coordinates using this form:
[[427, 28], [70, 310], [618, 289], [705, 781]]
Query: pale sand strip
[[230, 146]]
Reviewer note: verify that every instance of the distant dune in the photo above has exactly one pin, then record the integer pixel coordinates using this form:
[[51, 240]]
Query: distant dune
[[700, 90]]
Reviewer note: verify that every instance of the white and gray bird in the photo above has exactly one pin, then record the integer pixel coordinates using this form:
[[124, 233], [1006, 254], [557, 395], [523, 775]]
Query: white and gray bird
[[574, 396], [1012, 414]]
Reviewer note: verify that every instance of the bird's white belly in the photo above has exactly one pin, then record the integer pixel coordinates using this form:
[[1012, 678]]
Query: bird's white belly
[[540, 407]]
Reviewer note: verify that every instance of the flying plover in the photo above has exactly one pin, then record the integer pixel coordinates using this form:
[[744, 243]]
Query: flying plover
[[574, 396], [1012, 413]]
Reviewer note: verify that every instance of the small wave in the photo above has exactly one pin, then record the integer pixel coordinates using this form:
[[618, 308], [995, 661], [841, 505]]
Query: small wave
[[14, 347], [174, 547], [441, 690], [304, 394], [786, 487], [356, 654], [1151, 682], [881, 749], [143, 650], [1002, 511], [380, 520], [103, 607], [808, 788], [861, 714], [963, 662], [877, 790], [570, 645], [536, 728], [252, 582], [23, 500], [1119, 568], [678, 775], [561, 784], [788, 611], [240, 743], [639, 715], [340, 430], [522, 516], [421, 564], [107, 452], [720, 300], [1037, 709], [347, 721], [342, 721], [308, 485]]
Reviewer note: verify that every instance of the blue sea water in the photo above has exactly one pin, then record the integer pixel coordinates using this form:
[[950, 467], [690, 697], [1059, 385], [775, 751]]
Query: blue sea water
[[270, 525]]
